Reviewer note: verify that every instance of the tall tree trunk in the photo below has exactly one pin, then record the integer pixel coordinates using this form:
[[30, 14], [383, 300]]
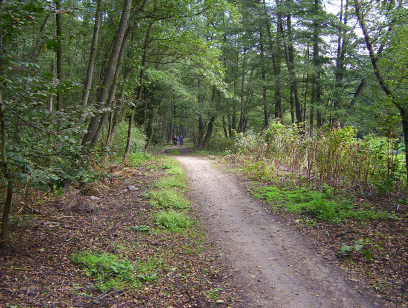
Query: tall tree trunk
[[114, 116], [110, 71], [276, 57], [112, 91], [39, 40], [263, 77], [215, 103], [356, 95], [6, 173], [401, 105], [242, 113], [139, 94], [316, 94], [340, 58], [200, 143], [290, 62], [92, 56], [59, 52]]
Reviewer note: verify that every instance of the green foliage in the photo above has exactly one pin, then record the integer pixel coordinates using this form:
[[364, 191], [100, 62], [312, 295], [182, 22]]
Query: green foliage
[[138, 143], [317, 204], [220, 144], [172, 182], [259, 170], [136, 158], [111, 271], [141, 228], [167, 199], [214, 293], [172, 167], [173, 221], [331, 156], [358, 246]]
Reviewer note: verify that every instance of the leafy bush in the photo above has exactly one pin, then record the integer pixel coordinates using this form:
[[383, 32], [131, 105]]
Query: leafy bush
[[329, 156], [219, 143], [138, 158], [138, 138]]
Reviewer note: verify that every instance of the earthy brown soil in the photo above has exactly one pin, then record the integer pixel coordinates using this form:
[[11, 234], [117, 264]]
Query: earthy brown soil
[[38, 271], [275, 264]]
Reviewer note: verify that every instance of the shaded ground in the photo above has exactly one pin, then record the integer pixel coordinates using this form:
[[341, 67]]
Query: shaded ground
[[38, 271]]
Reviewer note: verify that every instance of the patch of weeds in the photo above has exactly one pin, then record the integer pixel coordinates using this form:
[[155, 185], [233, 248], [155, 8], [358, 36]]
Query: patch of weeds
[[109, 271], [147, 270], [167, 199], [322, 205], [141, 228], [136, 159], [176, 170], [172, 181], [112, 271], [347, 250], [172, 151], [214, 293], [173, 221]]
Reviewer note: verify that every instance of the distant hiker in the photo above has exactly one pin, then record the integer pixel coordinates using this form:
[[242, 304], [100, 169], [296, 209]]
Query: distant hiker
[[181, 140], [175, 140]]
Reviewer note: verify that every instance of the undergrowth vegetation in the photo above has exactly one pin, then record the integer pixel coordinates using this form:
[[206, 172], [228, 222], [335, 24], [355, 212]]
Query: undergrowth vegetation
[[319, 174], [116, 272], [168, 198], [330, 156], [324, 206]]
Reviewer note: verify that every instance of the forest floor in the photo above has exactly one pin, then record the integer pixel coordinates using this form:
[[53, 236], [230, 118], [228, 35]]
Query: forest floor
[[251, 256]]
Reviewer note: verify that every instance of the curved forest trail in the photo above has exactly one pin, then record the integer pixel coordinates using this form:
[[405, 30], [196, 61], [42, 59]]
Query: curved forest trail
[[273, 265]]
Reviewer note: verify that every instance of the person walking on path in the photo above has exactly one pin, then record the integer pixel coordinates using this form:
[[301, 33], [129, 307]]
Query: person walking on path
[[181, 140]]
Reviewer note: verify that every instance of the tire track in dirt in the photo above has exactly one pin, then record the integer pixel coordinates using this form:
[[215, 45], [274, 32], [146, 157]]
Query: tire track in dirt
[[273, 265]]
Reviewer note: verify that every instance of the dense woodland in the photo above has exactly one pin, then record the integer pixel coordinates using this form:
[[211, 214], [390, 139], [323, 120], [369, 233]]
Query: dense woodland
[[87, 83]]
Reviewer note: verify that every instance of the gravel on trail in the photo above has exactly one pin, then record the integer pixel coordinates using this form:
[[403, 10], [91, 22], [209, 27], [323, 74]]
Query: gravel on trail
[[272, 264]]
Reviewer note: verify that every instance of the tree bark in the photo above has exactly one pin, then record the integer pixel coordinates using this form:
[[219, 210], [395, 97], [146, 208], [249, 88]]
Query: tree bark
[[59, 51], [356, 95], [402, 108], [110, 71], [290, 62], [6, 174], [242, 112], [276, 57], [263, 77], [139, 95], [316, 92], [92, 55], [200, 142]]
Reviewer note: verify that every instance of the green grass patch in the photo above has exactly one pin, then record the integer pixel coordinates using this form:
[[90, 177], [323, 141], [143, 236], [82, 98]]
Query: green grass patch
[[116, 272], [172, 181], [317, 204], [137, 159], [172, 166], [173, 221], [167, 199], [175, 152], [141, 228]]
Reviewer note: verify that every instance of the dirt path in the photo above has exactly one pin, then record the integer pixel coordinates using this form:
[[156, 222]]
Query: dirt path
[[273, 265]]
